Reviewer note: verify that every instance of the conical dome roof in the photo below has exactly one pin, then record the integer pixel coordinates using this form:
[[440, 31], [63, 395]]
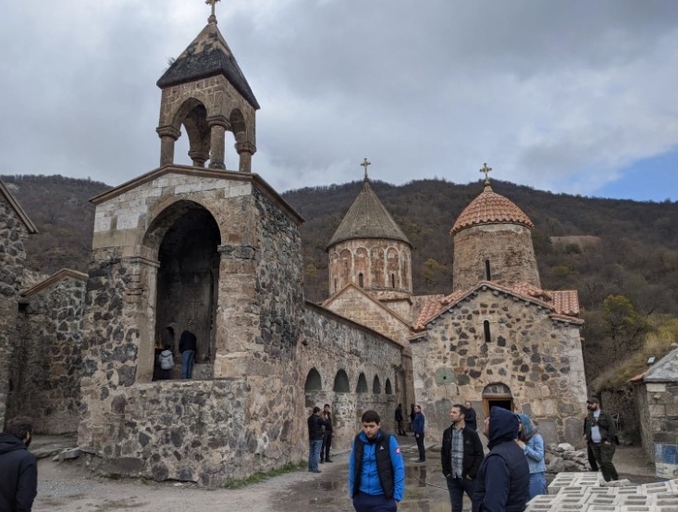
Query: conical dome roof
[[208, 55], [490, 208], [367, 218]]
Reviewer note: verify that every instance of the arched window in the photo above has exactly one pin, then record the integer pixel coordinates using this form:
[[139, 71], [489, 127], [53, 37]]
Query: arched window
[[361, 280], [313, 381], [376, 386], [488, 274], [362, 384], [341, 382], [486, 329], [389, 389]]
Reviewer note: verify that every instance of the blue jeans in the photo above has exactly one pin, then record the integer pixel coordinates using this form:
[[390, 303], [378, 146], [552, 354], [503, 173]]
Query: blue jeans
[[187, 357], [314, 454], [457, 487], [537, 484]]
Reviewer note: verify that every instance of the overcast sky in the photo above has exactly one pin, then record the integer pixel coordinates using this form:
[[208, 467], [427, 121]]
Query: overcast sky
[[569, 96]]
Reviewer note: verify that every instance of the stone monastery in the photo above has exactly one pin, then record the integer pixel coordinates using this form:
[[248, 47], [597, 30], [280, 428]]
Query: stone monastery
[[217, 252]]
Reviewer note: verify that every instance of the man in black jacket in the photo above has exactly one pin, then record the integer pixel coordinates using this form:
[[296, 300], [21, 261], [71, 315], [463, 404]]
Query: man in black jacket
[[601, 435], [461, 456], [315, 439], [18, 467]]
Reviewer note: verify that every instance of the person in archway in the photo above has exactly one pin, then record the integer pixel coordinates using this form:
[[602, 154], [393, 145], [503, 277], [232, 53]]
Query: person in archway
[[418, 426], [399, 420], [328, 434], [188, 348]]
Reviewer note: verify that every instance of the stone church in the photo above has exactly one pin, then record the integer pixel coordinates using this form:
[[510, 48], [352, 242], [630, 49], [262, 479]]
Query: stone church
[[217, 252]]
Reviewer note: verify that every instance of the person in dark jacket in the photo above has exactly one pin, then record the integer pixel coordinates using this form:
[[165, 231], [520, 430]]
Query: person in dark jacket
[[399, 420], [503, 483], [418, 427], [188, 347], [470, 416], [18, 467], [376, 471], [315, 439], [461, 456], [327, 435], [601, 435]]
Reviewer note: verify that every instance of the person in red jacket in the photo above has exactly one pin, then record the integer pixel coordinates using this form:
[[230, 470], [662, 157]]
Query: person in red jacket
[[18, 467]]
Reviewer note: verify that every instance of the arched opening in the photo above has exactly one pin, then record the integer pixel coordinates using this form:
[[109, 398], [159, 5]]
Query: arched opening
[[486, 331], [362, 384], [313, 381], [388, 388], [488, 274], [341, 382], [187, 280], [193, 116], [361, 280], [497, 394], [376, 386]]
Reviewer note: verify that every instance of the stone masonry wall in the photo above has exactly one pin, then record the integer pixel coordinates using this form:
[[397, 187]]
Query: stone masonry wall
[[330, 344], [539, 359], [660, 425], [48, 358], [12, 257]]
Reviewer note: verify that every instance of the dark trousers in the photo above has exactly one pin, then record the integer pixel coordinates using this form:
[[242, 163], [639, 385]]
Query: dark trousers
[[327, 445], [420, 445], [604, 453], [457, 487], [401, 430], [367, 503], [591, 457]]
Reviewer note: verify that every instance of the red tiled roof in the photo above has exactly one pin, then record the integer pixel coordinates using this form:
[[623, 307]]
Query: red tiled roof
[[566, 302], [490, 208]]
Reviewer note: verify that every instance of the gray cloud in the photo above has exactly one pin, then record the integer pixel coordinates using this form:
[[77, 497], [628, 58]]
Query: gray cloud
[[556, 95]]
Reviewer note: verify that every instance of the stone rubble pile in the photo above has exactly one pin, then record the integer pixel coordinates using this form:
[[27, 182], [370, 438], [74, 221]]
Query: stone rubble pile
[[588, 492], [565, 458]]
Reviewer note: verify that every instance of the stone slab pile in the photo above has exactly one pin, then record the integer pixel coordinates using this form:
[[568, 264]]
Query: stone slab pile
[[588, 492]]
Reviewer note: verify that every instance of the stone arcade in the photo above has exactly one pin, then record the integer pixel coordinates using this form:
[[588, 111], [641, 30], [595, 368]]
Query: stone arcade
[[217, 252]]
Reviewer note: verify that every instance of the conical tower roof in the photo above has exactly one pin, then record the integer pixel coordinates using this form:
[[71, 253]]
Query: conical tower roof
[[367, 218], [490, 208], [208, 55]]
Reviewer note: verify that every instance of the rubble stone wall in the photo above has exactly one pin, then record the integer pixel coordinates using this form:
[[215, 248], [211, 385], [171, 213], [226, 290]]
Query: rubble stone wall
[[537, 357], [658, 403]]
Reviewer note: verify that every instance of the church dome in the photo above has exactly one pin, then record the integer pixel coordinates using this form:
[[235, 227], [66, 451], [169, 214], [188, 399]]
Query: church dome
[[490, 208]]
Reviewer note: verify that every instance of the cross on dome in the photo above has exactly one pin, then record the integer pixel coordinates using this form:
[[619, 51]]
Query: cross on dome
[[487, 171]]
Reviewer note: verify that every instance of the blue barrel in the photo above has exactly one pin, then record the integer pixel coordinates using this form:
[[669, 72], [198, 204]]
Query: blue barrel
[[666, 460]]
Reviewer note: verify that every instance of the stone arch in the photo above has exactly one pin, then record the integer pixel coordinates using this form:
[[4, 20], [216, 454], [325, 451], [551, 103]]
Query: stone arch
[[388, 388], [362, 384], [184, 238], [393, 267], [346, 266], [192, 114], [377, 267], [341, 384], [376, 385], [497, 394], [313, 381], [361, 267]]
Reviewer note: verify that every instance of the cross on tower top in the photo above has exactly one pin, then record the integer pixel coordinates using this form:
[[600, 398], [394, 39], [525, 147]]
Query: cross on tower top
[[487, 171], [365, 164], [213, 3]]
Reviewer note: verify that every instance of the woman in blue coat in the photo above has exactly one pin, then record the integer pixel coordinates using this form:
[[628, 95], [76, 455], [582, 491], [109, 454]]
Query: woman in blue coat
[[533, 445]]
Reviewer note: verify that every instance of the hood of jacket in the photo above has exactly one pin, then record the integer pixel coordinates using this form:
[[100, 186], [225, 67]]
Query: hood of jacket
[[10, 443], [528, 427], [503, 426]]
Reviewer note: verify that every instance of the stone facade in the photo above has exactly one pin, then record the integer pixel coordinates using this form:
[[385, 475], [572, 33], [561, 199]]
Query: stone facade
[[531, 361], [47, 356], [15, 227]]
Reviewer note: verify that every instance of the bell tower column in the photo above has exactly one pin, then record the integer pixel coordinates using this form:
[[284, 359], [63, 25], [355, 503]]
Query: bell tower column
[[168, 136], [218, 126], [245, 150]]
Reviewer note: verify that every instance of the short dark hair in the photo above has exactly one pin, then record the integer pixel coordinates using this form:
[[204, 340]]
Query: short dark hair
[[371, 417], [326, 405], [462, 409], [19, 427], [316, 409]]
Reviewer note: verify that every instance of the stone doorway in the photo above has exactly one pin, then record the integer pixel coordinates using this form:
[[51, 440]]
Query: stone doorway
[[497, 395], [187, 284]]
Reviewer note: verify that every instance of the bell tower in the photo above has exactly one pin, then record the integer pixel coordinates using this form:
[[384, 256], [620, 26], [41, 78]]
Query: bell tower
[[205, 92]]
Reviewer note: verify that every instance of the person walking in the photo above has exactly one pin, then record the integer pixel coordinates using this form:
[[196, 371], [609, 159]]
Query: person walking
[[399, 420], [470, 416], [601, 433], [503, 483], [188, 346], [533, 445], [328, 434], [315, 439], [461, 455], [18, 467], [376, 471], [418, 427]]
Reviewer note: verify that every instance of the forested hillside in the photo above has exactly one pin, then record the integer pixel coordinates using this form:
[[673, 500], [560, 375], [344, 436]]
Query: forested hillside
[[622, 256]]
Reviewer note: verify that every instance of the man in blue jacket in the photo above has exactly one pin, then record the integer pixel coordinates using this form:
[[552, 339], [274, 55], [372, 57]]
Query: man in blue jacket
[[376, 471], [504, 477], [18, 467], [418, 427]]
